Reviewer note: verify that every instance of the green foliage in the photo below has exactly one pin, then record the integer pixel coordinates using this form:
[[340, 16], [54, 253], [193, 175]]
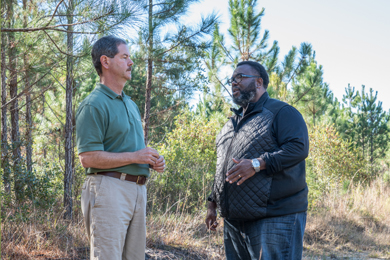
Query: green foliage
[[185, 138], [331, 163], [167, 67], [367, 125], [245, 25], [189, 152], [310, 94], [176, 75], [248, 44], [41, 189], [282, 74]]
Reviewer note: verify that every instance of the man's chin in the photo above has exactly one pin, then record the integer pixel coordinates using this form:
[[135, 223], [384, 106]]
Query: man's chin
[[239, 102], [127, 77]]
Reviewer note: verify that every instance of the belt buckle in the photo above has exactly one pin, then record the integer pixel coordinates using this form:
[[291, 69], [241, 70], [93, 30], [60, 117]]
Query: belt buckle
[[138, 180]]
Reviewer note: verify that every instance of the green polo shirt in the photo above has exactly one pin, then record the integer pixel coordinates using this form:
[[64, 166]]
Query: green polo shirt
[[106, 121]]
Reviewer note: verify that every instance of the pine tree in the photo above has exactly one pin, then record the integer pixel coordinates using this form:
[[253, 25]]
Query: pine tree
[[173, 53], [367, 125], [294, 64], [4, 128], [249, 44], [310, 94], [245, 26]]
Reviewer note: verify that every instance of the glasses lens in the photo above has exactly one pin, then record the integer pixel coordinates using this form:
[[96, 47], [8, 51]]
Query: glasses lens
[[238, 78]]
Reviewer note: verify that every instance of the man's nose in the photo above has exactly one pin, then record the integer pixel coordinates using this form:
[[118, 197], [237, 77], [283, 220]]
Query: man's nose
[[130, 62]]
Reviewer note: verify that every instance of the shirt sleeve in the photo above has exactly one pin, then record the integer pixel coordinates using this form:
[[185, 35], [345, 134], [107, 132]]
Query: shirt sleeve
[[290, 132], [90, 129]]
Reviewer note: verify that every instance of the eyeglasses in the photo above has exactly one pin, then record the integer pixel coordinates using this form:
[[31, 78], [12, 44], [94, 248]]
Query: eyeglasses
[[239, 77]]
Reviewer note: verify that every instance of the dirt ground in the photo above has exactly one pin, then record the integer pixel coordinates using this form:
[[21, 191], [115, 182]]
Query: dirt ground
[[169, 253]]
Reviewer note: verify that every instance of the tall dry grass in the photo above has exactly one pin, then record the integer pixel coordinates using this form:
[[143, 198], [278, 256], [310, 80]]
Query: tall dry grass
[[42, 237], [344, 224], [352, 221], [51, 237]]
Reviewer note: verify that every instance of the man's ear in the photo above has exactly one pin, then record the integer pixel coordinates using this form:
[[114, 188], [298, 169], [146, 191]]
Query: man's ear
[[104, 61], [259, 82]]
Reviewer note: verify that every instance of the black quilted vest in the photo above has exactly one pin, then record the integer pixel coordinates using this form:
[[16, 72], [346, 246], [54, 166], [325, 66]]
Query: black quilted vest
[[247, 138]]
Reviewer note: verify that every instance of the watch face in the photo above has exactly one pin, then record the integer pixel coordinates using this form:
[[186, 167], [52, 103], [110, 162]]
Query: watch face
[[255, 163]]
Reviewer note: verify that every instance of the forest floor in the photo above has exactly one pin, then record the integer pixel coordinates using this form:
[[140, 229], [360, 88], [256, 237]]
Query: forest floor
[[350, 225], [185, 237]]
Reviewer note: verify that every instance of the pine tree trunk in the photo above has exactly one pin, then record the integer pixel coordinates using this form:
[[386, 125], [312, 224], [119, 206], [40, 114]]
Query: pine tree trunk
[[314, 119], [43, 112], [4, 129], [28, 133], [68, 203], [363, 143], [14, 109], [372, 152], [149, 75], [29, 149]]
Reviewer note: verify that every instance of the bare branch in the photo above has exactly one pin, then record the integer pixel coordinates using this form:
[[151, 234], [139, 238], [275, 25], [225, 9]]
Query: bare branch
[[54, 114], [58, 48], [57, 81], [26, 90], [41, 29], [226, 51], [312, 85], [179, 43], [43, 92], [54, 27], [55, 11]]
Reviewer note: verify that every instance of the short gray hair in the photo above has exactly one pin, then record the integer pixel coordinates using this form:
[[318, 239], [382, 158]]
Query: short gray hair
[[108, 46]]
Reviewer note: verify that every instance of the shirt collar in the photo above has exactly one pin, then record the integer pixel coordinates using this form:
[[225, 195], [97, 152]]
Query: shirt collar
[[109, 92]]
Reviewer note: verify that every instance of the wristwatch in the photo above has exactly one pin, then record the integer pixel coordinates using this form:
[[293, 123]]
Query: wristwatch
[[256, 165]]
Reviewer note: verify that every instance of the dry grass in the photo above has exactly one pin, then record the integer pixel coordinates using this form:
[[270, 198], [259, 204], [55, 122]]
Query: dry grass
[[185, 232], [42, 237], [355, 224], [170, 236]]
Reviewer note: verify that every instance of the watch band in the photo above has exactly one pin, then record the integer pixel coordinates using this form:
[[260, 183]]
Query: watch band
[[256, 165]]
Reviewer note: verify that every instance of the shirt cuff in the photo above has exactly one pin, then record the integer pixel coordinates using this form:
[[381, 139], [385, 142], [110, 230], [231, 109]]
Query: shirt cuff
[[90, 148], [267, 163]]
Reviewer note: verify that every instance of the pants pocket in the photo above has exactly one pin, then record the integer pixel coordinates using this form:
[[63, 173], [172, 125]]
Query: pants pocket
[[97, 189]]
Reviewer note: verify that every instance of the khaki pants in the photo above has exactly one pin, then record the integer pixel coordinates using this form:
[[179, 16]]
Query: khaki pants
[[114, 214]]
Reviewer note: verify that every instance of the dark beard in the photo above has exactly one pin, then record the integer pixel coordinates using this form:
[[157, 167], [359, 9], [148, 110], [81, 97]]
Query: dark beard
[[246, 95]]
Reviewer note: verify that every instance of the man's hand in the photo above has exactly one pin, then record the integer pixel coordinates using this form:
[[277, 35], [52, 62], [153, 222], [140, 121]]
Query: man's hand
[[211, 217], [147, 156], [242, 171], [160, 164]]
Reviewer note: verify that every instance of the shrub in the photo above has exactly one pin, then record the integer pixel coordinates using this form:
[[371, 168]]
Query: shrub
[[333, 163], [190, 155]]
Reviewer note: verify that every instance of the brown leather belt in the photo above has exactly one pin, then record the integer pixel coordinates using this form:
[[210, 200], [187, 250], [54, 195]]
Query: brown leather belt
[[139, 179]]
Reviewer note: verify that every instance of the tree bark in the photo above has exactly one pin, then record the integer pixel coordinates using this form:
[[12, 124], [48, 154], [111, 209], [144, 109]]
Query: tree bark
[[14, 109], [149, 75], [4, 128], [28, 133], [68, 203]]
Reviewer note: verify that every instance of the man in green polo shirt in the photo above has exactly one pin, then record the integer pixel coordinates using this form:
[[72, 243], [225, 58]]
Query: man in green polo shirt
[[111, 147]]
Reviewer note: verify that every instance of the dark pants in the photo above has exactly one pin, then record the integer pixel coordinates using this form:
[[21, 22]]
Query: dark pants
[[273, 238]]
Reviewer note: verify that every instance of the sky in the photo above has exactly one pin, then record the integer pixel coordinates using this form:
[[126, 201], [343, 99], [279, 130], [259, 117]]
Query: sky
[[351, 37]]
